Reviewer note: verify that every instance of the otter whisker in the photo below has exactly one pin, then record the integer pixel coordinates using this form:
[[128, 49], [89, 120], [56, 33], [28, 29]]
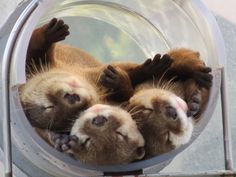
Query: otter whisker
[[50, 124], [133, 109], [134, 113], [161, 79]]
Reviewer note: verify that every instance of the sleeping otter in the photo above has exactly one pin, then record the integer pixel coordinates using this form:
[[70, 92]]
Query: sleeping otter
[[63, 80], [167, 111], [102, 135]]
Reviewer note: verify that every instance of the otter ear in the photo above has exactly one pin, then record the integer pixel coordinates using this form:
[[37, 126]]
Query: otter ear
[[18, 87], [140, 152]]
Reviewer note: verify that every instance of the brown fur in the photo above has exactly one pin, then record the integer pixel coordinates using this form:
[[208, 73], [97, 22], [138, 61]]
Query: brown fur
[[151, 102], [46, 60], [117, 141]]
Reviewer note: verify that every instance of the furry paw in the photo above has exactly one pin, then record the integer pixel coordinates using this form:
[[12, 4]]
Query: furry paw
[[64, 142], [156, 66], [203, 77], [56, 30], [111, 78], [194, 104]]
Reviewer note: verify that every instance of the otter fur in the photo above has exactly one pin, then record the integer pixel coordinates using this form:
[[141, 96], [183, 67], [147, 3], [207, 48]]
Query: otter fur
[[102, 135], [166, 112], [63, 80]]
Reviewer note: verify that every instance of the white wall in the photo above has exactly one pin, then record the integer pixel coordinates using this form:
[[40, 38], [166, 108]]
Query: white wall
[[7, 7]]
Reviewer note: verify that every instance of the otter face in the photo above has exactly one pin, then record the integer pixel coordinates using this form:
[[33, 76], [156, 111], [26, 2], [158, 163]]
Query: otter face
[[52, 99], [107, 135], [164, 121]]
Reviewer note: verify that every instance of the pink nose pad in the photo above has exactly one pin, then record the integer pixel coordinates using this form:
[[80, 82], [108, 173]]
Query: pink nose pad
[[73, 84], [181, 104]]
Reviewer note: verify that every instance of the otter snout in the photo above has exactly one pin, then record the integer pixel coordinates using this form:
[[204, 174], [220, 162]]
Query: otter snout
[[171, 112], [72, 98]]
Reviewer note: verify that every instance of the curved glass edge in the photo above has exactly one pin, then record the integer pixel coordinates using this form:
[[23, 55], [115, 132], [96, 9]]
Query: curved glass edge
[[207, 26], [161, 160]]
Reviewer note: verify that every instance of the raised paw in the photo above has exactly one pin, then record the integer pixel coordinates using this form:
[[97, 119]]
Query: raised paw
[[194, 104], [56, 30], [203, 77], [64, 142], [156, 66], [110, 78]]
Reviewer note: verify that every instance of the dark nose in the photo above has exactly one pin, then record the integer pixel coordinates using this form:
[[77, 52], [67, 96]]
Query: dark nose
[[72, 98], [99, 121], [171, 112]]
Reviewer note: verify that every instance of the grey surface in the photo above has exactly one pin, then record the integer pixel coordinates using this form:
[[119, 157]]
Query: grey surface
[[229, 33], [206, 154]]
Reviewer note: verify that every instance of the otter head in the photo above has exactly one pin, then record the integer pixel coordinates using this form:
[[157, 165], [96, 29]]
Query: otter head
[[52, 99], [162, 118], [107, 135]]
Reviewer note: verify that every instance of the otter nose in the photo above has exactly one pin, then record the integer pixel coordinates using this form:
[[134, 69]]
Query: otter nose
[[99, 121], [171, 112], [72, 98]]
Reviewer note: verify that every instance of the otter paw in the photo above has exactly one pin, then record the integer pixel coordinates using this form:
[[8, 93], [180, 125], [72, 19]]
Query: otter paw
[[203, 77], [56, 30], [157, 65], [194, 104], [110, 78], [64, 142]]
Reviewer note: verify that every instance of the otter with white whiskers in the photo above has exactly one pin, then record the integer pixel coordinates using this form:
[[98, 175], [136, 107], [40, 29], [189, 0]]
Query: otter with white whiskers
[[63, 80], [102, 135]]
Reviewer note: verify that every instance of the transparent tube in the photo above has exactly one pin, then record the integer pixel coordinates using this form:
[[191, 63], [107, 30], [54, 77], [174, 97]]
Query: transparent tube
[[114, 30]]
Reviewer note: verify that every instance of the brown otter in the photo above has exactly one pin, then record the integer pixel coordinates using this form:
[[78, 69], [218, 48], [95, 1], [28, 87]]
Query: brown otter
[[102, 135], [167, 111], [63, 80]]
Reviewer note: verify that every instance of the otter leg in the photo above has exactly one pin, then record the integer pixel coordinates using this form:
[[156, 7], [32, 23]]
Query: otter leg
[[193, 97], [203, 77], [117, 83], [194, 104], [42, 39]]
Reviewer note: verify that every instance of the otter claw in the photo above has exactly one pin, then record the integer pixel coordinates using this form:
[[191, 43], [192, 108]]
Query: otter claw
[[194, 104], [64, 142], [56, 30], [110, 78], [203, 77]]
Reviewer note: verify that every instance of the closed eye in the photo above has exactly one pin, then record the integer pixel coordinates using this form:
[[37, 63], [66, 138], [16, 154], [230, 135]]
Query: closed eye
[[49, 107], [122, 136], [86, 142]]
